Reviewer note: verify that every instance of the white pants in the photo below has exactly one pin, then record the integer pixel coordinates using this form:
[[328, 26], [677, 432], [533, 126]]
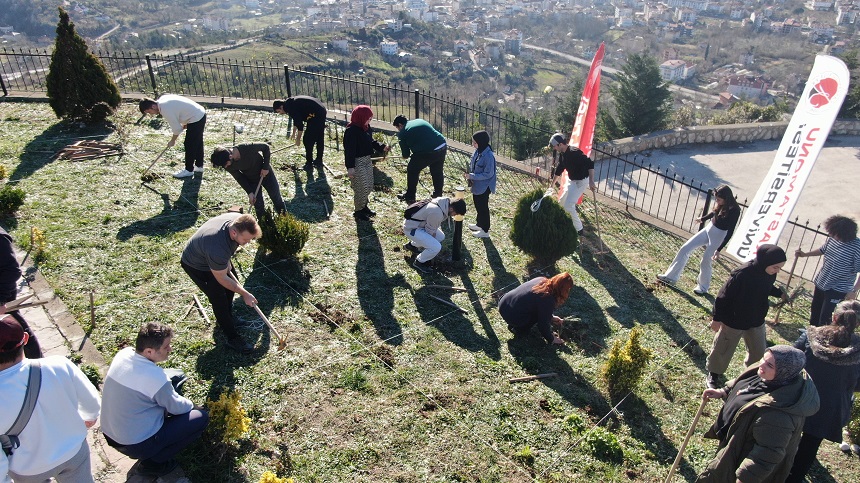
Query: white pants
[[431, 244], [709, 237], [575, 189]]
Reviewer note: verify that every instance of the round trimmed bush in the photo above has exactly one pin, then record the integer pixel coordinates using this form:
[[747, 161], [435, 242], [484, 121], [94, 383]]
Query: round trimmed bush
[[547, 233], [283, 234]]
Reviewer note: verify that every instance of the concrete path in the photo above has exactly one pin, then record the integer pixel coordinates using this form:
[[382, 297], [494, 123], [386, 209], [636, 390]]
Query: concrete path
[[60, 334]]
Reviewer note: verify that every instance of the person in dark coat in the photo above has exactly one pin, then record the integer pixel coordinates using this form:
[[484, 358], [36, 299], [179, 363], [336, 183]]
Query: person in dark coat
[[761, 420], [740, 309], [10, 272], [308, 115], [358, 146], [532, 303], [833, 361]]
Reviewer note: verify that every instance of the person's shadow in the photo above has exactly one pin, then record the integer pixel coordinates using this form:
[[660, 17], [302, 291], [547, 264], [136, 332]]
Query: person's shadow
[[375, 289], [584, 323], [181, 215], [312, 202], [502, 278]]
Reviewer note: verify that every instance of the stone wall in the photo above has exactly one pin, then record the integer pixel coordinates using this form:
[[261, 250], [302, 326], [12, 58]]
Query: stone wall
[[711, 134]]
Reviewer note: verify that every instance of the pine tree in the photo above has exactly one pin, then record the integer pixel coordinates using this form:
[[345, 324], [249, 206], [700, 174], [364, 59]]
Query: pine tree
[[642, 98], [79, 86]]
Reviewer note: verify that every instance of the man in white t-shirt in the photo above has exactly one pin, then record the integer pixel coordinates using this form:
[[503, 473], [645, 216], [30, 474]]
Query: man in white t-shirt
[[181, 113], [53, 444]]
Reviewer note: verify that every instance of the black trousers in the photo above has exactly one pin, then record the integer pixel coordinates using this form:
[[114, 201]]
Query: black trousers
[[435, 160], [194, 155], [482, 209], [823, 303], [220, 298], [314, 135]]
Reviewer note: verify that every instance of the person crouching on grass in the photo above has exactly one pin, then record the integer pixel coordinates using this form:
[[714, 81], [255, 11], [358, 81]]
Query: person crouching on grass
[[532, 303]]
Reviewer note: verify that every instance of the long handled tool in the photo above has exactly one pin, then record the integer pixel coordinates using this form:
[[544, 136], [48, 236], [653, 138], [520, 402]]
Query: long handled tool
[[256, 193], [597, 222], [787, 286], [686, 440], [154, 161], [282, 343]]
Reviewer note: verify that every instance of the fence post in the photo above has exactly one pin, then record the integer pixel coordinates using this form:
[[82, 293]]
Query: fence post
[[3, 85], [417, 99], [706, 208], [151, 76], [287, 80]]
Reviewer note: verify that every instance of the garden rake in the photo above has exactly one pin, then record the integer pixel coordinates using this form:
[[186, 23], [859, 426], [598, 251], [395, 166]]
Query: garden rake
[[256, 193], [549, 191], [686, 440], [282, 342], [787, 286], [597, 222], [143, 175]]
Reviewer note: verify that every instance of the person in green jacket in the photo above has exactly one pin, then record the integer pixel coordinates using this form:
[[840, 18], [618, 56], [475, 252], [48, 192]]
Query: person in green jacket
[[425, 147], [760, 423]]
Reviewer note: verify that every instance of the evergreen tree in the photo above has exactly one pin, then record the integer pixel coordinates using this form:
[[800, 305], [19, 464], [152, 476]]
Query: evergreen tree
[[851, 104], [642, 98], [567, 107], [79, 86]]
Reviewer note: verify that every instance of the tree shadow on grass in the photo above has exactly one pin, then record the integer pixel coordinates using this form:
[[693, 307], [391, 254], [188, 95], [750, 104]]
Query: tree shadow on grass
[[181, 215], [646, 428], [584, 323], [312, 202], [634, 303], [374, 287], [537, 357], [503, 280], [40, 152]]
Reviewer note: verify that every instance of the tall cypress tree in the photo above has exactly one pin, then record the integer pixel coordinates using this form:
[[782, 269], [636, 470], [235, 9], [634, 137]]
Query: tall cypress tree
[[79, 86], [642, 98]]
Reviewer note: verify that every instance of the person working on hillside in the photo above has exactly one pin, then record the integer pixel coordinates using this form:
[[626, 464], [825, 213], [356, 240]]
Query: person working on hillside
[[580, 175], [740, 309], [714, 236], [308, 115], [839, 277], [423, 227], [206, 259], [358, 146], [532, 303], [182, 114], [481, 178], [10, 272], [249, 164], [143, 417], [425, 147]]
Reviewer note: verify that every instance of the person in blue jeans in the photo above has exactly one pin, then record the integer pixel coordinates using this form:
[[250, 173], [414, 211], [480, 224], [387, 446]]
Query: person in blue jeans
[[482, 180], [143, 416]]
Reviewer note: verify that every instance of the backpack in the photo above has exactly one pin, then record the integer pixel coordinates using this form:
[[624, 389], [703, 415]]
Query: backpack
[[414, 208], [9, 439]]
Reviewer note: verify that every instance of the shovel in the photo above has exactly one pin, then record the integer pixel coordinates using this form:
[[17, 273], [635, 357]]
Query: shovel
[[282, 343]]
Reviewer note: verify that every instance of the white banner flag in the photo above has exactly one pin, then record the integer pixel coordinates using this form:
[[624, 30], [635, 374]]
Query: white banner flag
[[810, 124]]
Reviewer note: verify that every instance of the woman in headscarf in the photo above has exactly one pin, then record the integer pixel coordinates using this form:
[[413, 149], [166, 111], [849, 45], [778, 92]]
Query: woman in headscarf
[[761, 420], [482, 180], [739, 311], [714, 236], [833, 362], [358, 145], [532, 303]]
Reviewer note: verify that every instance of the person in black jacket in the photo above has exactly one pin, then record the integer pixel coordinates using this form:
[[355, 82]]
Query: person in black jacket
[[740, 309], [10, 272], [532, 303], [833, 361], [358, 145], [714, 236], [580, 175], [248, 163], [308, 115]]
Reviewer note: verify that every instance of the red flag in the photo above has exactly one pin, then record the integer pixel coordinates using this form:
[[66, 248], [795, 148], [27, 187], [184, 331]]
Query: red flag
[[582, 135]]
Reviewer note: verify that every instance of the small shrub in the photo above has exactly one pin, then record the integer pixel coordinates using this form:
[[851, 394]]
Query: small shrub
[[92, 373], [283, 234], [547, 233], [603, 445], [38, 245], [228, 416], [3, 172], [525, 456], [575, 424], [625, 366], [353, 378], [11, 198], [269, 477]]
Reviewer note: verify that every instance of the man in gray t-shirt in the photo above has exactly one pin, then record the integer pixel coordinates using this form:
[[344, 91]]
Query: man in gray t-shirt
[[206, 259]]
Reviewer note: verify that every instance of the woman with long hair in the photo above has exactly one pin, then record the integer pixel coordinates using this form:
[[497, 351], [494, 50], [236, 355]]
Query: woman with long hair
[[833, 361], [358, 146], [839, 277], [482, 181], [714, 236], [532, 303]]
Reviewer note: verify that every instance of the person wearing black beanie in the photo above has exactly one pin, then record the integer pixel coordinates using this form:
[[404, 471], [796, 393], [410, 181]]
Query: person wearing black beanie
[[740, 309], [481, 178]]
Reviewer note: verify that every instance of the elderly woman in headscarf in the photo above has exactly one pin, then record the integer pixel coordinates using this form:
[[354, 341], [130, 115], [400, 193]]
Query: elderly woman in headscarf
[[358, 146], [740, 309], [833, 361], [760, 423]]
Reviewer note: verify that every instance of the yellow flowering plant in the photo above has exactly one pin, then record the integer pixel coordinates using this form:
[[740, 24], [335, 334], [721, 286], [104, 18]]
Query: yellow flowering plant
[[269, 477], [227, 415]]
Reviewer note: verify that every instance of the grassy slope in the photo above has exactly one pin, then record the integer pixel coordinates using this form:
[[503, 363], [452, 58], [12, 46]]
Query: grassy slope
[[379, 382]]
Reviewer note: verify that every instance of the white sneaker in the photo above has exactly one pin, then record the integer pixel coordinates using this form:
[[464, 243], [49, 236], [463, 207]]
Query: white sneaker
[[474, 227], [479, 233], [845, 446], [183, 173], [198, 169]]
